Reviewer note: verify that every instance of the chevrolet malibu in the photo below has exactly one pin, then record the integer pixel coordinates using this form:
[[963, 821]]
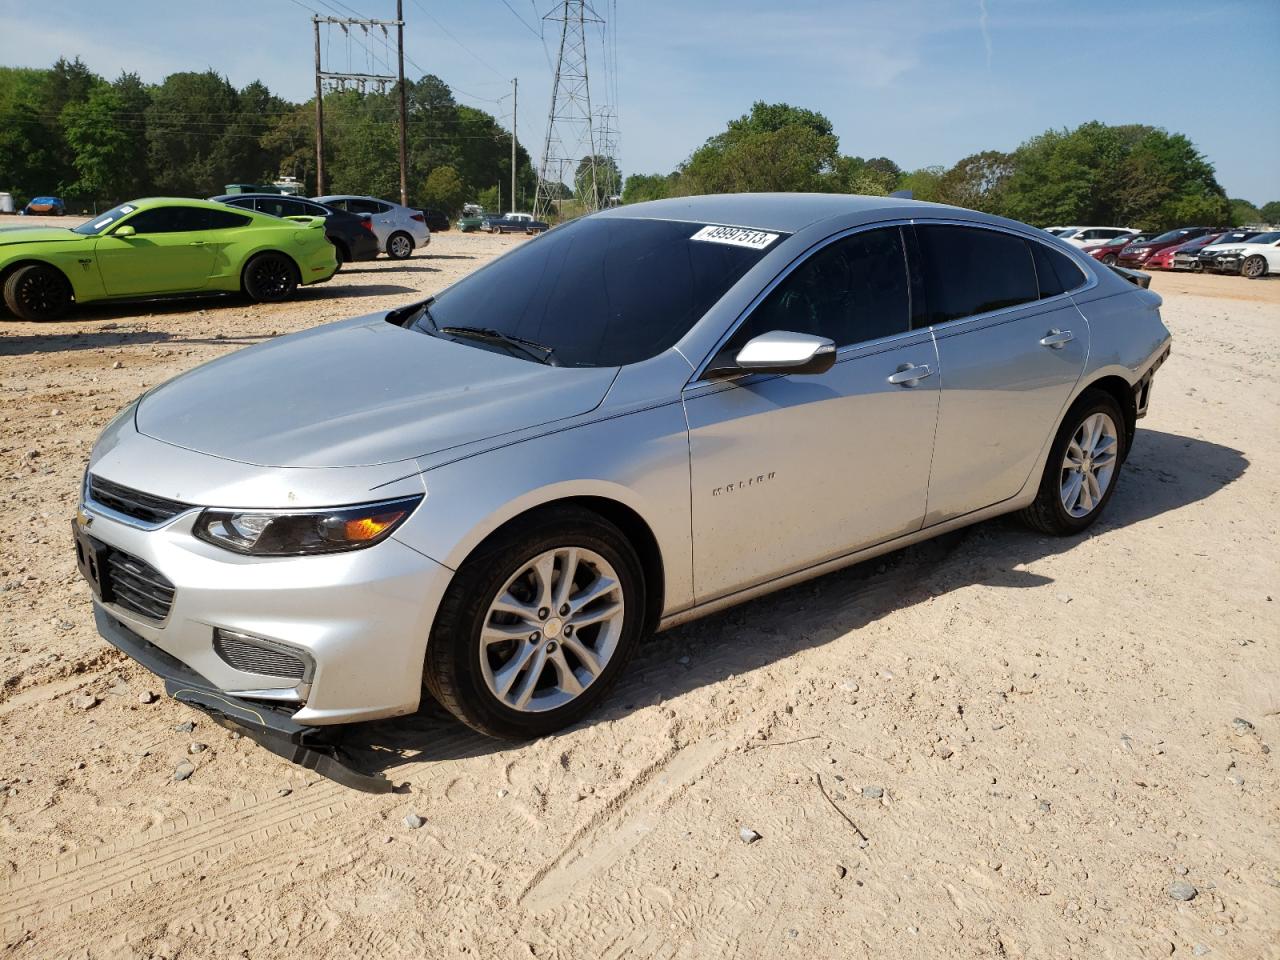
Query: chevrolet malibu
[[649, 415]]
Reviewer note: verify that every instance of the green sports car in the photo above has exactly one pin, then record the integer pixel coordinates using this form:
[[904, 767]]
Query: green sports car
[[161, 246]]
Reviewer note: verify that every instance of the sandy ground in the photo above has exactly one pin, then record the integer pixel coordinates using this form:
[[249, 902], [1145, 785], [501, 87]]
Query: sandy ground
[[1035, 737]]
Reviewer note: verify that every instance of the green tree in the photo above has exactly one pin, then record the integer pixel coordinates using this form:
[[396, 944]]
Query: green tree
[[102, 146], [977, 182], [608, 179], [1242, 211], [1271, 212], [444, 190], [924, 184], [774, 147], [640, 187], [189, 150]]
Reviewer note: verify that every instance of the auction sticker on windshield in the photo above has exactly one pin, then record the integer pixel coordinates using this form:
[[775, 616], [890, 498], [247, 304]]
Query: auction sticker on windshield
[[735, 236]]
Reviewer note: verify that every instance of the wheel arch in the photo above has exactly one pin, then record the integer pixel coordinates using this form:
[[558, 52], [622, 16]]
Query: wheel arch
[[254, 254], [1122, 391], [625, 517], [17, 264]]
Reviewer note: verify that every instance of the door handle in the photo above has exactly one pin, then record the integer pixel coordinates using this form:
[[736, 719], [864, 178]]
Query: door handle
[[1057, 339], [909, 376], [197, 243]]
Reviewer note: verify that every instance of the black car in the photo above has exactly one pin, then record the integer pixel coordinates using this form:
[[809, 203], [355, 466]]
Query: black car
[[513, 223], [436, 219], [350, 233]]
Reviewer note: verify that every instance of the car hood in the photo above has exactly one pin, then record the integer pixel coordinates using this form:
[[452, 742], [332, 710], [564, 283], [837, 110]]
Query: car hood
[[17, 234], [358, 393]]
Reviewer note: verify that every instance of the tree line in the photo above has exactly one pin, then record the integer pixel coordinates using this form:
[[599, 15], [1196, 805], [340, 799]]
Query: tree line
[[68, 132], [1130, 175]]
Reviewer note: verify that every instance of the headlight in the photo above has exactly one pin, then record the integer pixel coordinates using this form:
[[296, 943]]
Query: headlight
[[279, 533], [1231, 250]]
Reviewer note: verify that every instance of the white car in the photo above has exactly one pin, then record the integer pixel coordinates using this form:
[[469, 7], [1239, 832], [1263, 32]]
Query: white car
[[1088, 236], [400, 230], [1254, 258]]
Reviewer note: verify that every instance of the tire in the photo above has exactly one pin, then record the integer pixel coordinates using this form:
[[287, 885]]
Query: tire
[[1197, 267], [1049, 512], [399, 246], [270, 278], [466, 674], [342, 254], [1254, 267], [37, 292], [1109, 259]]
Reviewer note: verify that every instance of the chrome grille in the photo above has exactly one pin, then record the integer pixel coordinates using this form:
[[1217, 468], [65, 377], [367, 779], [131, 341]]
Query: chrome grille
[[134, 503], [137, 586], [255, 656]]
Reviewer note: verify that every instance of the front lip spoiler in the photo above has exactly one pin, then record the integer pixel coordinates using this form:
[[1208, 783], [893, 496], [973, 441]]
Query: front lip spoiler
[[270, 727]]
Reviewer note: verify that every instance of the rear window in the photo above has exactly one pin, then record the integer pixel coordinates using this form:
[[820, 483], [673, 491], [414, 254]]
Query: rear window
[[604, 291], [969, 271]]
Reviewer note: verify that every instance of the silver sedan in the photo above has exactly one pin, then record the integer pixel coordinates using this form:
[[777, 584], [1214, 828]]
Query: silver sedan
[[649, 415]]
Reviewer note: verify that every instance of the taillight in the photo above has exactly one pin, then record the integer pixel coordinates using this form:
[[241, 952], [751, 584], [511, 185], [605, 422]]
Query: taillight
[[419, 217], [367, 224]]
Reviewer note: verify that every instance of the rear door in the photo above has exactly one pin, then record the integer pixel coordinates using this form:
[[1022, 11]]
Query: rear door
[[789, 471], [1012, 346], [169, 252]]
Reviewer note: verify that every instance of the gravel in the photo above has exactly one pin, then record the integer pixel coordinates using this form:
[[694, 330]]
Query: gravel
[[873, 793], [413, 821], [1182, 890], [183, 770], [748, 835]]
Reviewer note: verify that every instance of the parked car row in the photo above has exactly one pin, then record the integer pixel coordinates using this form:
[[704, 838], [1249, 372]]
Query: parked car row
[[1249, 253], [510, 222]]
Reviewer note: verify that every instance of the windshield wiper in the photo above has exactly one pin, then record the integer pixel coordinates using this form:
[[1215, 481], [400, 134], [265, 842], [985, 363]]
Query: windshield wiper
[[539, 351]]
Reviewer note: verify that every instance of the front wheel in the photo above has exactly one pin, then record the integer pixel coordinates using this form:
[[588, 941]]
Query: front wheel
[[537, 625], [270, 278], [1083, 467], [37, 292], [1254, 267], [1109, 259]]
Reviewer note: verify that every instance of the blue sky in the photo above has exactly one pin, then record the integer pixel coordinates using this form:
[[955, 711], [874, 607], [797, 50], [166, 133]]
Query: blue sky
[[920, 81]]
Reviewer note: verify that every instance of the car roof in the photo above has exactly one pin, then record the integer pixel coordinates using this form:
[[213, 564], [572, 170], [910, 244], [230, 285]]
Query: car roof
[[223, 198], [788, 212], [146, 203]]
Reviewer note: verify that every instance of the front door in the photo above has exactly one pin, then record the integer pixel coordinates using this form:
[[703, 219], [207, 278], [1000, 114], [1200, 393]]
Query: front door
[[169, 252], [789, 471]]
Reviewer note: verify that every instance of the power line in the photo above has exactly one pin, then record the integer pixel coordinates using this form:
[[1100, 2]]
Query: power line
[[445, 30], [523, 22]]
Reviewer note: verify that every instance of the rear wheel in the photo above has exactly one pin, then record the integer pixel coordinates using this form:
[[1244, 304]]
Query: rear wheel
[[37, 292], [1109, 259], [537, 625], [1083, 466], [399, 246], [1254, 267], [270, 278], [342, 253]]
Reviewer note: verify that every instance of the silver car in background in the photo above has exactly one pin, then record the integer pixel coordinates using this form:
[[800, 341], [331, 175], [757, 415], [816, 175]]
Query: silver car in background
[[651, 414], [400, 230]]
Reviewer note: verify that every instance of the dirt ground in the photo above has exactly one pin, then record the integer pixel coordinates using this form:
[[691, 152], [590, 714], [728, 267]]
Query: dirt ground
[[991, 745]]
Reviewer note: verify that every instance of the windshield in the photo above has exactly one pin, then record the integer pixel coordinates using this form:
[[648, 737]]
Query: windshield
[[104, 220], [602, 291], [1264, 237], [1172, 235]]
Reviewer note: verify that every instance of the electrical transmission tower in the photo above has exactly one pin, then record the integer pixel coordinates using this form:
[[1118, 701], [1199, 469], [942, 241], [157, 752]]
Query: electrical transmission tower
[[572, 134]]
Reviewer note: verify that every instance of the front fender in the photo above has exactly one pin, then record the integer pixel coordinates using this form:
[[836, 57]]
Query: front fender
[[640, 460]]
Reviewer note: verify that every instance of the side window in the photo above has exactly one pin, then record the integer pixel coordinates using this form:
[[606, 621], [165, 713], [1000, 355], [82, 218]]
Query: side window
[[968, 271], [337, 204], [364, 206], [225, 219], [850, 291], [1055, 273], [169, 220]]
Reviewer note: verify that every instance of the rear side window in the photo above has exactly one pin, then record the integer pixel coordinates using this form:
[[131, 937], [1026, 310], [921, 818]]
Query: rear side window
[[1055, 273], [852, 290], [224, 219], [968, 271], [281, 207]]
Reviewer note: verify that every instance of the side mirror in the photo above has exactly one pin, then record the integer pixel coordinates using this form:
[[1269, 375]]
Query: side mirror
[[780, 351], [125, 231]]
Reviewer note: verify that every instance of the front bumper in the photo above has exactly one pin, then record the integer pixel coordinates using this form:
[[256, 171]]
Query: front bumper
[[271, 727], [361, 618]]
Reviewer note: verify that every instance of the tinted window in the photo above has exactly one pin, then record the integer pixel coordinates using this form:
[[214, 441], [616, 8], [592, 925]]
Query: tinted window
[[968, 271], [282, 207], [224, 219], [170, 220], [1055, 273], [366, 206], [852, 290], [598, 291]]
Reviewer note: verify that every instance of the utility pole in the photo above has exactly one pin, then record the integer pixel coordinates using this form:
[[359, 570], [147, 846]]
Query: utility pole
[[404, 141], [315, 22], [515, 91], [360, 80]]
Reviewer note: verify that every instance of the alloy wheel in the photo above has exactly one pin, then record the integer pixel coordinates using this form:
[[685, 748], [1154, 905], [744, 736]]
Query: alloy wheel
[[1254, 267], [42, 293], [271, 277], [552, 629], [401, 247], [1089, 465]]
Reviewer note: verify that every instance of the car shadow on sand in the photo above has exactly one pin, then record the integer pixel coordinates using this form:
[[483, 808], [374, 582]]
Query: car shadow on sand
[[1164, 473], [396, 266]]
